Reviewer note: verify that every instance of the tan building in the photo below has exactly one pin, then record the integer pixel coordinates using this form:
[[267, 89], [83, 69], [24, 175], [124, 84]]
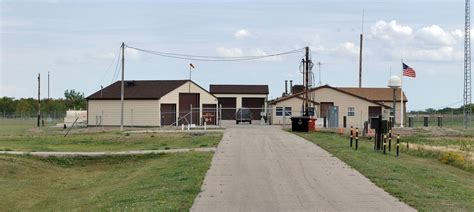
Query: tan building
[[232, 97], [152, 103], [355, 104]]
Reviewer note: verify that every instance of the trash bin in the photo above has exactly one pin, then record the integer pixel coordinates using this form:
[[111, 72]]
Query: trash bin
[[299, 124], [312, 124]]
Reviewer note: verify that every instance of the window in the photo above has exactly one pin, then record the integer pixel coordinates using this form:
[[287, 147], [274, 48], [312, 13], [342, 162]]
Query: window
[[350, 111], [287, 111], [279, 111]]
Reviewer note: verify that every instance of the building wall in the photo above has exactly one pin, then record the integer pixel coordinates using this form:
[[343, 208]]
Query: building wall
[[173, 97], [398, 109], [136, 112], [239, 97], [340, 99], [294, 103]]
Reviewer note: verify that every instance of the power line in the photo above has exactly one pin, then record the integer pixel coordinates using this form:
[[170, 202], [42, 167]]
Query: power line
[[212, 58]]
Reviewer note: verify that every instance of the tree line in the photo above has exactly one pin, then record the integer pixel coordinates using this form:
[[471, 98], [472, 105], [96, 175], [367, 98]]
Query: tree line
[[55, 108]]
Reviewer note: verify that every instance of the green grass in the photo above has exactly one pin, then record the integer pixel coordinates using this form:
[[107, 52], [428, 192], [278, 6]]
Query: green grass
[[21, 135], [166, 182], [422, 182], [107, 141], [439, 141]]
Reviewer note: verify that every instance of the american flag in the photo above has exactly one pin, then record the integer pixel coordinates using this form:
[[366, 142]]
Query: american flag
[[408, 71]]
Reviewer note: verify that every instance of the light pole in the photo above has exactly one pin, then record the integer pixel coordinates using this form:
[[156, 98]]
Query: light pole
[[394, 83]]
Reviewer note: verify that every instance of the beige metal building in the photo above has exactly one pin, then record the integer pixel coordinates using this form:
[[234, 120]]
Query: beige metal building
[[152, 103], [232, 97], [355, 104]]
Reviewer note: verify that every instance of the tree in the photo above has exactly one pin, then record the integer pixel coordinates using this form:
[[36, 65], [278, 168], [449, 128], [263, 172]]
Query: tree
[[74, 99]]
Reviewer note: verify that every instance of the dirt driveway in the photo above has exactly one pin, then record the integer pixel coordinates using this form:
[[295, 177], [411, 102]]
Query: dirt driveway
[[262, 168]]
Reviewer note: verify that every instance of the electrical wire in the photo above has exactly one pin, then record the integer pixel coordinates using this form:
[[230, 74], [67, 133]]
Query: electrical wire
[[116, 73], [212, 58], [110, 65]]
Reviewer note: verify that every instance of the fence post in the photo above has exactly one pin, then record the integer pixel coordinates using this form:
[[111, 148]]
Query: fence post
[[344, 121], [398, 145], [357, 138], [191, 113], [385, 144], [351, 138], [324, 122], [390, 140], [425, 121]]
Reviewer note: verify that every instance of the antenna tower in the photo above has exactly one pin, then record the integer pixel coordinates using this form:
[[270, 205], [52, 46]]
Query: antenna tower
[[467, 67]]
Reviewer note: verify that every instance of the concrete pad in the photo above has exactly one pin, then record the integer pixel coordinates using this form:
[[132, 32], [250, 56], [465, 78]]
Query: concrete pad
[[263, 168]]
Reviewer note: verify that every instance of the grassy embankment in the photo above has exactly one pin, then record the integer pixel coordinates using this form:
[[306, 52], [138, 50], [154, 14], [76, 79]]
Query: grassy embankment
[[418, 180], [21, 136], [166, 182]]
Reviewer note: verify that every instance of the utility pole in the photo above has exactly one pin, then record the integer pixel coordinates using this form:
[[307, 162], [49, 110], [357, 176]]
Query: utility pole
[[467, 67], [122, 87], [306, 102], [39, 100]]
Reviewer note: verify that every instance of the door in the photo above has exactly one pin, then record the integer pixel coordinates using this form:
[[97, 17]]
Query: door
[[209, 114], [375, 111], [333, 116], [168, 114], [255, 104], [186, 100], [324, 108], [228, 108]]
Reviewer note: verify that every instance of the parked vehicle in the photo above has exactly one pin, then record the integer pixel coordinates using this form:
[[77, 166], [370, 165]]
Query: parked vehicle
[[243, 115]]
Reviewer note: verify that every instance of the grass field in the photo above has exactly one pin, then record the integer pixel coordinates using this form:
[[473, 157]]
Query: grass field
[[19, 135], [422, 182], [167, 182]]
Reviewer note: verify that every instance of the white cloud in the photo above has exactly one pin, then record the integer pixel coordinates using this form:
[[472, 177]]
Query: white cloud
[[242, 33], [229, 52], [131, 53], [435, 35], [458, 33], [349, 48], [442, 54], [393, 41], [238, 52], [390, 30]]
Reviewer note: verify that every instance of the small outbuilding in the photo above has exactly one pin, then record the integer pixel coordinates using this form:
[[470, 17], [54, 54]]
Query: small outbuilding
[[352, 106], [232, 97], [152, 103]]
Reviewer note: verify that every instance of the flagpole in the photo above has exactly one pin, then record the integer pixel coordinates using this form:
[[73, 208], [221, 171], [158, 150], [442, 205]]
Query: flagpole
[[401, 98]]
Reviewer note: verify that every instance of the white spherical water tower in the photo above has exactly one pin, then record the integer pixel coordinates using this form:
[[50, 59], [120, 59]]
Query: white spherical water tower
[[394, 82]]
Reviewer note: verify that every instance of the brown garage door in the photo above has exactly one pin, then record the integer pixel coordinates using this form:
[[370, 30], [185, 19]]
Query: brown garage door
[[324, 108], [228, 108], [255, 105], [168, 114], [185, 102], [209, 114]]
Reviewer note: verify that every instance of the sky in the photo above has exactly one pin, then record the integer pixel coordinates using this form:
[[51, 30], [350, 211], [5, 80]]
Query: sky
[[78, 43]]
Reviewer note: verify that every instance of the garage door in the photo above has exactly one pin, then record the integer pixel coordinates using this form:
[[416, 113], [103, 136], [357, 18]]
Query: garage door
[[228, 108], [256, 106], [185, 102], [168, 114]]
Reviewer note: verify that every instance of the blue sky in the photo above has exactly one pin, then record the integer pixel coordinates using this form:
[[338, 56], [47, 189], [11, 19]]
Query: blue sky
[[78, 41]]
